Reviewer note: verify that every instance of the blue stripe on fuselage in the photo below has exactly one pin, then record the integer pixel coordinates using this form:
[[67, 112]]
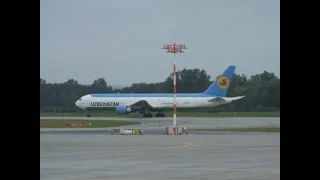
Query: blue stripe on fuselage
[[150, 95]]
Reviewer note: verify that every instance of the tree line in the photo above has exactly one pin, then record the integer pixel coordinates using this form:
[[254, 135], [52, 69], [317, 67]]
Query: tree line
[[262, 91]]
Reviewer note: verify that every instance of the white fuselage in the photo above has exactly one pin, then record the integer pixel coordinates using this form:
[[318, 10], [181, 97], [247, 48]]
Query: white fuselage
[[156, 102]]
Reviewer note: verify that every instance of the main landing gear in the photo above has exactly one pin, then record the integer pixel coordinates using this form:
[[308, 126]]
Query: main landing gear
[[158, 114]]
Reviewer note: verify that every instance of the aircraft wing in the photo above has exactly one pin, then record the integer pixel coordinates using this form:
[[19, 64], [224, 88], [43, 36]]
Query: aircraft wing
[[225, 99], [141, 104]]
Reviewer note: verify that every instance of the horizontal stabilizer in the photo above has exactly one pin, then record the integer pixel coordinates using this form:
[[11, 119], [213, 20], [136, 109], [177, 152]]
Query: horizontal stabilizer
[[225, 99], [217, 99]]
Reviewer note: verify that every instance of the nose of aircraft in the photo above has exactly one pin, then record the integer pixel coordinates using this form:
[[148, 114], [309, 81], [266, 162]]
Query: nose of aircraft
[[77, 103]]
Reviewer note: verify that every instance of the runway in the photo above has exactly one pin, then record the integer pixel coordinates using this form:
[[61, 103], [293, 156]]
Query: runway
[[224, 156], [204, 122]]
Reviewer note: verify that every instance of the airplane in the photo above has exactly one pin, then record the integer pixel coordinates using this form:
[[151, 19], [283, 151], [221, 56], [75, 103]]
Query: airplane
[[150, 103]]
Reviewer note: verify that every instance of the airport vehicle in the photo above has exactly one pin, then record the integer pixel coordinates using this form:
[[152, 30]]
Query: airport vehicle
[[155, 103]]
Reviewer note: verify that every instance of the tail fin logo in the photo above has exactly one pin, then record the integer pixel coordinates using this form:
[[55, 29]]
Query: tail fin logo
[[223, 82]]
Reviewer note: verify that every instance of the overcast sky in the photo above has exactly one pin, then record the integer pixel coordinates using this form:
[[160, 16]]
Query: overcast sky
[[120, 40]]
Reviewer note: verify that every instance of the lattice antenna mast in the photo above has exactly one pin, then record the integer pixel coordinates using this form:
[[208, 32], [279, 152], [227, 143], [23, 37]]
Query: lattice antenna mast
[[174, 49]]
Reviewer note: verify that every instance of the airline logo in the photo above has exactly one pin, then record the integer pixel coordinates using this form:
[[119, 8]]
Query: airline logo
[[104, 104], [223, 82]]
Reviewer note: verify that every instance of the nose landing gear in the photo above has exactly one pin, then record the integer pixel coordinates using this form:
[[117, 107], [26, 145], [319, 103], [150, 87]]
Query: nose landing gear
[[88, 114]]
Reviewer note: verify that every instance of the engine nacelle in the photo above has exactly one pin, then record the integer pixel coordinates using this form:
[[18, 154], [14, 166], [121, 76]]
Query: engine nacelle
[[123, 110]]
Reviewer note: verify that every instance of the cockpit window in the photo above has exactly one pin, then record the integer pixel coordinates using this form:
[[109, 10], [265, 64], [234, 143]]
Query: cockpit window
[[80, 99]]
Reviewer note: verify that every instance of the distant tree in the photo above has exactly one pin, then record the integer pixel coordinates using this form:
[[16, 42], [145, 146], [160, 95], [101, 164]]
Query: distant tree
[[262, 90]]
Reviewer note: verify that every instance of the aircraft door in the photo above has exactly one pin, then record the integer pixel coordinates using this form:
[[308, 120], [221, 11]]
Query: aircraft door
[[118, 98]]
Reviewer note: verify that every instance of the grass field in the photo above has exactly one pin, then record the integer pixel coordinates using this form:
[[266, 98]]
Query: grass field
[[180, 114], [249, 129], [57, 123], [86, 123]]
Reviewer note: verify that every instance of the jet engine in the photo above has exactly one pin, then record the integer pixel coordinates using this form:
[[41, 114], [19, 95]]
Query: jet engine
[[123, 110]]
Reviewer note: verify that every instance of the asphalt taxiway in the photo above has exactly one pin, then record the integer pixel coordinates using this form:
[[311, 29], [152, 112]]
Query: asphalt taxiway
[[91, 153], [225, 156]]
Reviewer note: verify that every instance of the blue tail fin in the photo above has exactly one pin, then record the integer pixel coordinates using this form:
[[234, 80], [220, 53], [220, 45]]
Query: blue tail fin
[[222, 83]]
